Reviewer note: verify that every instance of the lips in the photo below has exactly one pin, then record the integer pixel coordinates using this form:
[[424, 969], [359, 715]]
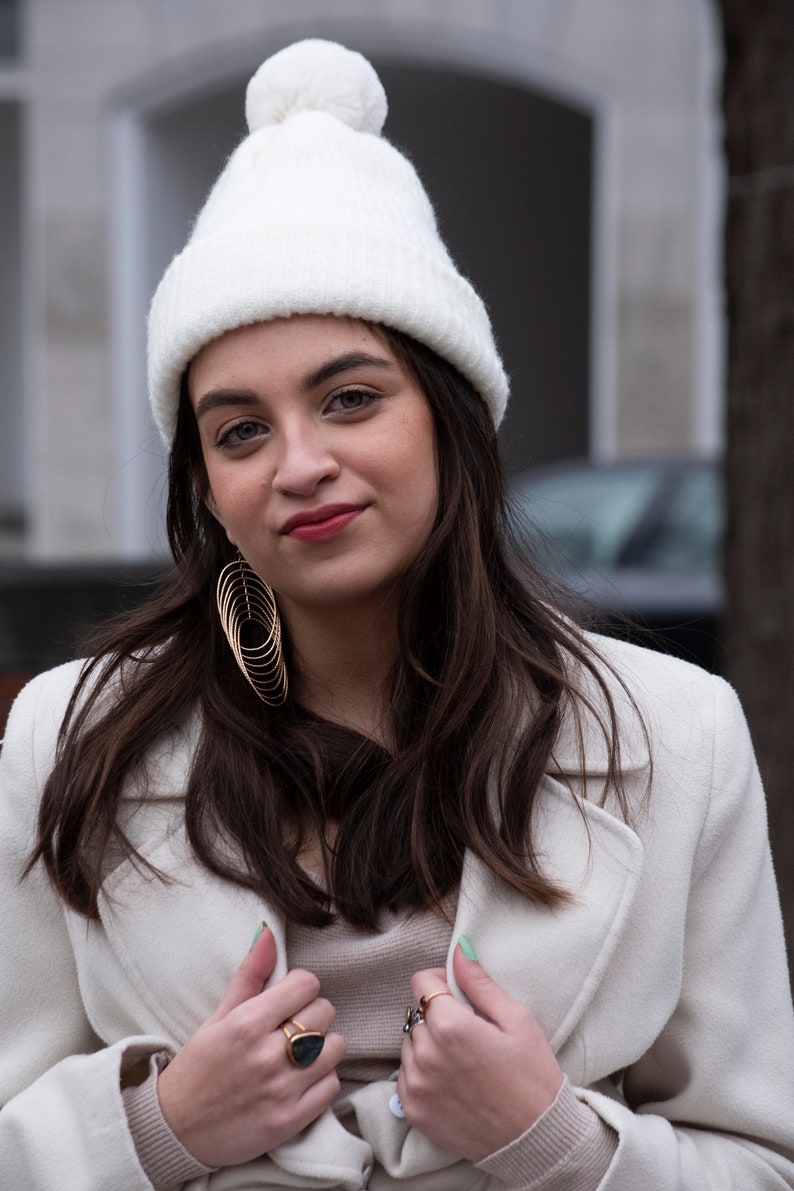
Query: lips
[[324, 522]]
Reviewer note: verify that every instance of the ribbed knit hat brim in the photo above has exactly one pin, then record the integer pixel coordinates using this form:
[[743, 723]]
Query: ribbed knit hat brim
[[314, 216]]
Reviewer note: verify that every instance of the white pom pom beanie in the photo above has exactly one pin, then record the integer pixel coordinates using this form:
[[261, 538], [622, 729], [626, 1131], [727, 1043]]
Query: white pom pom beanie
[[315, 213]]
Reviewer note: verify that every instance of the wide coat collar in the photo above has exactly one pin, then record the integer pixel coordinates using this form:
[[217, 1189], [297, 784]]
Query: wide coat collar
[[179, 942]]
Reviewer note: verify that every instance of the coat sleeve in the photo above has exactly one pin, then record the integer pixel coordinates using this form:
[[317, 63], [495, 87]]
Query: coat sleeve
[[711, 1105], [62, 1120]]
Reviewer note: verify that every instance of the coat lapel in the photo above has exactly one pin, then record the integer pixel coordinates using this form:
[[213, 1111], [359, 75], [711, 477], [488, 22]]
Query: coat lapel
[[552, 960], [180, 942]]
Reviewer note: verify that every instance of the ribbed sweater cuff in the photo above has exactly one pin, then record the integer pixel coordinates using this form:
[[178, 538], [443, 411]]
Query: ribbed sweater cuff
[[161, 1154], [569, 1148]]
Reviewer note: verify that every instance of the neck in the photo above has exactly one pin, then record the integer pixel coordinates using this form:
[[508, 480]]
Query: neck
[[342, 659]]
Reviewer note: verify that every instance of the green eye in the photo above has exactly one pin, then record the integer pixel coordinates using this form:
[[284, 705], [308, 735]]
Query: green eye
[[241, 434], [351, 399], [246, 430]]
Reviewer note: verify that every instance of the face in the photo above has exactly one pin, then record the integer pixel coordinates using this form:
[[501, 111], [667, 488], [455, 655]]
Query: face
[[319, 450]]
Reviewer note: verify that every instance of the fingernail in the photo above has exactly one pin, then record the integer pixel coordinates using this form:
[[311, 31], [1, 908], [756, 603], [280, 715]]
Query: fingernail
[[467, 947], [259, 930]]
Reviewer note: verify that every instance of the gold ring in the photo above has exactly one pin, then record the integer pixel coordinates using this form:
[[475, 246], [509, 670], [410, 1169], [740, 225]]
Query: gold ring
[[425, 1001], [416, 1017], [304, 1046]]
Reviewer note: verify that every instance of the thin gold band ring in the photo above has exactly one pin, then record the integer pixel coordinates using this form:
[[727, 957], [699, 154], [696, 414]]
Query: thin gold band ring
[[425, 1001]]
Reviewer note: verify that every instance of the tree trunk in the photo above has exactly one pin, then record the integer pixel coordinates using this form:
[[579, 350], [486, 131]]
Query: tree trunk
[[758, 101]]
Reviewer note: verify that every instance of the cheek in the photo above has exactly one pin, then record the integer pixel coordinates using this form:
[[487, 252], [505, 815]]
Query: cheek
[[231, 504], [419, 460], [427, 491], [428, 466], [417, 486]]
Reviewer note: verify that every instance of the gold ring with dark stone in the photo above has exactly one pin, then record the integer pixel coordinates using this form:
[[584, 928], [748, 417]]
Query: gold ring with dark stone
[[304, 1046]]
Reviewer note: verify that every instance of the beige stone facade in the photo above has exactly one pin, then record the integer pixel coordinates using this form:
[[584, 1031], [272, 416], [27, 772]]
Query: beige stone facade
[[94, 77]]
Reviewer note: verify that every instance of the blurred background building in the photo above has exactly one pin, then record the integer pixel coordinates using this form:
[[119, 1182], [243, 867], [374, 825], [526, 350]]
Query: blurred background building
[[574, 152], [572, 148]]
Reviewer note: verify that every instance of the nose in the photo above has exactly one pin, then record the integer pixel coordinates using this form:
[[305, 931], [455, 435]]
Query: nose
[[302, 460]]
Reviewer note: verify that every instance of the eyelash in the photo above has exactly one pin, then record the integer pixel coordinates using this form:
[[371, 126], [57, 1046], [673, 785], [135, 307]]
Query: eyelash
[[370, 399], [225, 439]]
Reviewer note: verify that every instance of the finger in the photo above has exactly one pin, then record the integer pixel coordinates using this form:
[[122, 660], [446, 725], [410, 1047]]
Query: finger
[[332, 1053], [294, 996], [316, 1018], [482, 992], [251, 976], [410, 1040], [318, 1014], [318, 1096], [427, 981]]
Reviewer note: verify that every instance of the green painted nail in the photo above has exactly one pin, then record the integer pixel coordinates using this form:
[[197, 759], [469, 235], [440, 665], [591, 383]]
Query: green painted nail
[[259, 930], [467, 947]]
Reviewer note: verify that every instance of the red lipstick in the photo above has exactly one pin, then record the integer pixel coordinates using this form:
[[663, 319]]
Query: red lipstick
[[317, 524]]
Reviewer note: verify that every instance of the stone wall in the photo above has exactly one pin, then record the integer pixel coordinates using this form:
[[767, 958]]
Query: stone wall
[[647, 70]]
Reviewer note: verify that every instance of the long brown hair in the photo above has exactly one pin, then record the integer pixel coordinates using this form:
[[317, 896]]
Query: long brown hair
[[476, 697]]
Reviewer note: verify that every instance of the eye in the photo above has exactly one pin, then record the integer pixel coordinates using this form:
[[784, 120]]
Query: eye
[[351, 401], [245, 431], [242, 433]]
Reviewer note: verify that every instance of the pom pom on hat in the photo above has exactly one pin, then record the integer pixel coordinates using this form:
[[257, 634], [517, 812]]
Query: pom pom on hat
[[316, 213], [316, 76]]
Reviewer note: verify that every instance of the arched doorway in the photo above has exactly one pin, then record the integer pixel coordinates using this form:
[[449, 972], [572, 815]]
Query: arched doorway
[[510, 172]]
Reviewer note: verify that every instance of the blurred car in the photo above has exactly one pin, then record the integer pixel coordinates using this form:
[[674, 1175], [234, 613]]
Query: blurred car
[[638, 543]]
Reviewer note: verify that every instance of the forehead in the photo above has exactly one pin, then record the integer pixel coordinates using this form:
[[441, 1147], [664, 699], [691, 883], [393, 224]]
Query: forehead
[[287, 345]]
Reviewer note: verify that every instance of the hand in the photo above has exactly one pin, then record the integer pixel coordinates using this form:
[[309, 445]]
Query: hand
[[474, 1083], [231, 1094]]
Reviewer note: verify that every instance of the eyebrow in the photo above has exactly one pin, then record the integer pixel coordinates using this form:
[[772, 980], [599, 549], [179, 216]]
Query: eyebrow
[[346, 362], [343, 363], [217, 398]]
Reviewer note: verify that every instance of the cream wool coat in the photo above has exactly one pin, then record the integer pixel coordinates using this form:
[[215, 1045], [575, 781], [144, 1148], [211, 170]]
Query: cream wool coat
[[663, 988]]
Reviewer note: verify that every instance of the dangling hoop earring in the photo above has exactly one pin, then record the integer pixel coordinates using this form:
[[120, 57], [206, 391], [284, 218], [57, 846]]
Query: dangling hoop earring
[[247, 606]]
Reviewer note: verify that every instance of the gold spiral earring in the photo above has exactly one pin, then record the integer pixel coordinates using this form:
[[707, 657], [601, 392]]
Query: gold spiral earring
[[249, 618]]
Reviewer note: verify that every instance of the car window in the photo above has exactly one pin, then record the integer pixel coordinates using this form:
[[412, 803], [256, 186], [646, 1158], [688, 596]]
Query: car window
[[586, 518], [689, 534]]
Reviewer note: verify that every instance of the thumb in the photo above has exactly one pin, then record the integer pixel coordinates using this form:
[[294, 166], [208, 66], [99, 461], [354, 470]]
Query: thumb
[[251, 976], [482, 992]]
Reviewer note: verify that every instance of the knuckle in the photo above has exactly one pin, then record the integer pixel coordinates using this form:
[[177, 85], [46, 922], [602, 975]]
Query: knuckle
[[325, 1009], [242, 1027], [339, 1045], [280, 1117], [445, 1030], [414, 1084], [306, 981], [334, 1050]]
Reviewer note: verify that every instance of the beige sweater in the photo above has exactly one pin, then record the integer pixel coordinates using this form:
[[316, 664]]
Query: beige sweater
[[568, 1149]]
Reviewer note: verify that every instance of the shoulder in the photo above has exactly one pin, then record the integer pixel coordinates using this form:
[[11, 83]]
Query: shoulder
[[33, 731], [39, 708], [30, 744], [29, 748], [663, 706], [653, 678], [664, 687]]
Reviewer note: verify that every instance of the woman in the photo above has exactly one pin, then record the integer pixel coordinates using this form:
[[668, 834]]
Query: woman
[[355, 715]]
